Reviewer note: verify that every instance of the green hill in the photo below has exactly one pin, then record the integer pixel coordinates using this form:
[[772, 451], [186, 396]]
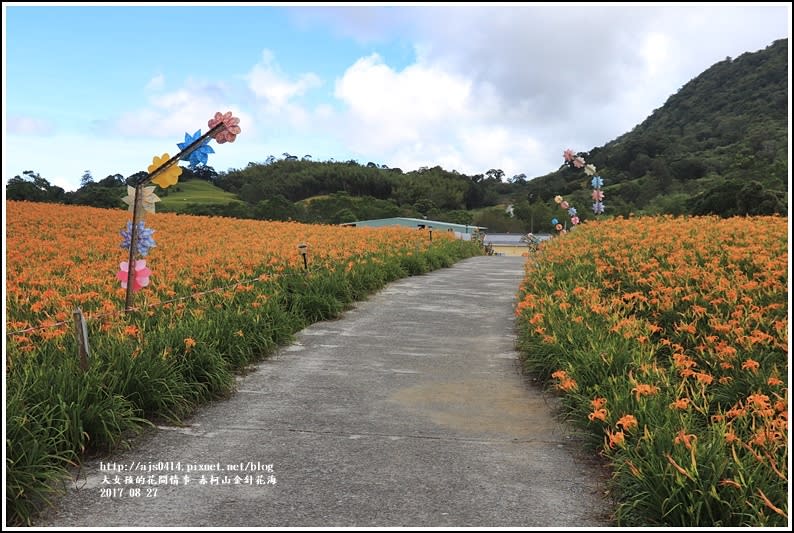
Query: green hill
[[719, 145], [194, 191]]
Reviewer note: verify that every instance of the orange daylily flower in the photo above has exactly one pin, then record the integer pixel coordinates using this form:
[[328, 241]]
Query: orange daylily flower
[[627, 422]]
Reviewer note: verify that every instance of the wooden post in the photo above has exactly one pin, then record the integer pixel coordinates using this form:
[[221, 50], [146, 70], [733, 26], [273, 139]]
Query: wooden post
[[303, 250], [81, 334]]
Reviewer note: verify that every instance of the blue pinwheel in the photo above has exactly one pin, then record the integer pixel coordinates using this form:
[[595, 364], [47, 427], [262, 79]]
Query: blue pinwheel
[[143, 237], [596, 182], [199, 155]]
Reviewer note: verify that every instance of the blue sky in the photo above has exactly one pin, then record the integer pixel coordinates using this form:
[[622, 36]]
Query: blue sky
[[105, 88]]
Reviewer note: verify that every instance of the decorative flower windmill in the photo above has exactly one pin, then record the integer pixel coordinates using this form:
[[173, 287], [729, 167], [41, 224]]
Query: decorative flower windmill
[[164, 172], [577, 161]]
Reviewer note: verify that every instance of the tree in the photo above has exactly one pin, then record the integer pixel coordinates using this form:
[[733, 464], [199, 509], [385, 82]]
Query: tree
[[33, 188], [19, 188], [206, 173], [114, 180], [639, 166], [495, 174], [519, 179], [138, 176], [96, 196], [344, 215], [277, 208], [662, 174], [251, 193], [424, 205], [86, 179], [497, 221], [536, 215]]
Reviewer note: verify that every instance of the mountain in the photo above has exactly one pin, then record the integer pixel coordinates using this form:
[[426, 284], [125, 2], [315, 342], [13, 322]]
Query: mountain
[[719, 145]]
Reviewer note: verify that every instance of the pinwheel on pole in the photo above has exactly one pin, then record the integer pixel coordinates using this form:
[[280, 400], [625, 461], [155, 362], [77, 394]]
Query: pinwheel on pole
[[164, 172], [577, 161]]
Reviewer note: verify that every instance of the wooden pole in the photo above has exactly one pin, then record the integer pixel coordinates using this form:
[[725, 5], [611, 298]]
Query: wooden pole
[[81, 333], [192, 147], [139, 198], [136, 206]]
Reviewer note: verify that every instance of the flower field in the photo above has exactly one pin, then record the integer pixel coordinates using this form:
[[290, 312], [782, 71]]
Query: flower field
[[222, 293], [668, 341]]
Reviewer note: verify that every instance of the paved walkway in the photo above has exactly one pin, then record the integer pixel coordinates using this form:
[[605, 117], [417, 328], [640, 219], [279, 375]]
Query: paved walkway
[[410, 410]]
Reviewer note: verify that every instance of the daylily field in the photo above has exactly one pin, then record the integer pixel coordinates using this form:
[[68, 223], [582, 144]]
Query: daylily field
[[668, 340], [222, 293]]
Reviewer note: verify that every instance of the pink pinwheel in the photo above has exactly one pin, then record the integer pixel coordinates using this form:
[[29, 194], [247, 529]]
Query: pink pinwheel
[[574, 220], [231, 130], [141, 277], [598, 195], [568, 154], [564, 204], [578, 162]]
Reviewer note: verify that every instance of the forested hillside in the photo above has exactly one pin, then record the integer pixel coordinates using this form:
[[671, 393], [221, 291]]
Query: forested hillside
[[719, 145]]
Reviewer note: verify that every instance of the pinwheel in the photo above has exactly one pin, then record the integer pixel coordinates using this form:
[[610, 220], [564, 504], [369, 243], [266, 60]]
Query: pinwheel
[[198, 156], [167, 177], [143, 238], [140, 278]]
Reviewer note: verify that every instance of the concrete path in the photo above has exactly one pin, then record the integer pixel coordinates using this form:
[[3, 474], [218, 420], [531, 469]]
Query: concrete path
[[410, 410]]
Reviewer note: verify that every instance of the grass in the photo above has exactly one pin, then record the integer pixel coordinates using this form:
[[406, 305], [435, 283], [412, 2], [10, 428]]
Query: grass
[[193, 191]]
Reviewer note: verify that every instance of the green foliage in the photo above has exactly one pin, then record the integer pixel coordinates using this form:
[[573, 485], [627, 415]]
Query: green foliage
[[498, 221], [279, 208], [725, 127], [33, 188], [734, 197]]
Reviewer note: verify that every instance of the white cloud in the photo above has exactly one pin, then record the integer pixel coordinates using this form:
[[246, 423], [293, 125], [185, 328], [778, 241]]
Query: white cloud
[[426, 115], [156, 84], [27, 125], [385, 108], [269, 83], [537, 78], [656, 52], [172, 114]]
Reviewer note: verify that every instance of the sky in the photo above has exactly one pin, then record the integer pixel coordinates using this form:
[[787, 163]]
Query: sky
[[105, 87]]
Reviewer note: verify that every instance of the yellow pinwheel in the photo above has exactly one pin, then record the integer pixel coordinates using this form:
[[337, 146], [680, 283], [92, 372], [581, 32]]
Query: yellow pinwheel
[[167, 177]]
